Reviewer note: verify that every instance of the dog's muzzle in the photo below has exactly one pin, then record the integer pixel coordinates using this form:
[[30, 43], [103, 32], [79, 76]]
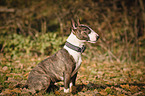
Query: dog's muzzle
[[97, 37]]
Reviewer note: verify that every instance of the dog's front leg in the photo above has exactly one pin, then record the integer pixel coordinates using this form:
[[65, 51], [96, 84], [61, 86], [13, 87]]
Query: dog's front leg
[[72, 83], [67, 78]]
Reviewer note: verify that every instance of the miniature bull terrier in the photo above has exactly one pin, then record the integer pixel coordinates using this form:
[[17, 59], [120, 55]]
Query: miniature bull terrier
[[64, 64]]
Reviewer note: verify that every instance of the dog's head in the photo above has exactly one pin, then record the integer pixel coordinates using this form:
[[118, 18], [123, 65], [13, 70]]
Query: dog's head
[[84, 32]]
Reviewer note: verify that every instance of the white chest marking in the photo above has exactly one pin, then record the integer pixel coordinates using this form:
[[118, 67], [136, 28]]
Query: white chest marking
[[76, 56]]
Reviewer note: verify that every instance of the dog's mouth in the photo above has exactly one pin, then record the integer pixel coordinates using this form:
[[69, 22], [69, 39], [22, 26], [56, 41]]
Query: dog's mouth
[[92, 41]]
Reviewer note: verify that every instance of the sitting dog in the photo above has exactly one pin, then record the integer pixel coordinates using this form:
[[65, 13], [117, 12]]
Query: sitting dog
[[64, 64]]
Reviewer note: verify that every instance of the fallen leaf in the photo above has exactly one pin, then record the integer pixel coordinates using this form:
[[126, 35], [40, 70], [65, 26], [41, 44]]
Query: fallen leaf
[[139, 71], [1, 86], [125, 86], [139, 94], [103, 92], [5, 68], [93, 65], [121, 95], [133, 89], [20, 65], [84, 89], [82, 69], [16, 90], [6, 91], [26, 75], [57, 93]]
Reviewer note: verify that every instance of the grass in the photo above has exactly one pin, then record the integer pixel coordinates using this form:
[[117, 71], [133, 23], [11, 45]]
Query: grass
[[94, 78]]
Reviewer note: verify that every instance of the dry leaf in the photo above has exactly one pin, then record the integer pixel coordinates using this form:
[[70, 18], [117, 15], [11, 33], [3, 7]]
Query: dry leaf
[[139, 94], [125, 86], [121, 95], [5, 68], [6, 91], [133, 89], [26, 75], [57, 93], [16, 90], [103, 92]]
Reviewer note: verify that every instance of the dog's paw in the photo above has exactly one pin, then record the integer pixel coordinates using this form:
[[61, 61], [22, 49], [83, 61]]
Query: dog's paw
[[66, 90]]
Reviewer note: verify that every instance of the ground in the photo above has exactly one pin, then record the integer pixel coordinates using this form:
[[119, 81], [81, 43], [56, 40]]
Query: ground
[[94, 78]]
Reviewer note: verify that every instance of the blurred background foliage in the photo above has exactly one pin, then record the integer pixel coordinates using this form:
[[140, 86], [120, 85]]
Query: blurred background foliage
[[40, 27]]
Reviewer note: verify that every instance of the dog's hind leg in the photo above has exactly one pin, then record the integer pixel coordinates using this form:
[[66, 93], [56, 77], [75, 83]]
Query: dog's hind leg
[[38, 83]]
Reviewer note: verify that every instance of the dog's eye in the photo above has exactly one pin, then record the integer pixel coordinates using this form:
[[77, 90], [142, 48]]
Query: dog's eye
[[84, 33], [85, 29]]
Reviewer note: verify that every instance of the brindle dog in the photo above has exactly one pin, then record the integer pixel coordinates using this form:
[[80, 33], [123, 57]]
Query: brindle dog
[[64, 64]]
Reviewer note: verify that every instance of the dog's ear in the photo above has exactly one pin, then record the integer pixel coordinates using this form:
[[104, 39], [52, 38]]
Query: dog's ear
[[74, 27], [73, 24], [78, 22]]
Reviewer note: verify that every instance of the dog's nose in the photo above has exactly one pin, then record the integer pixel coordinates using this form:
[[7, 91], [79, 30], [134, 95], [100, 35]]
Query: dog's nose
[[97, 37]]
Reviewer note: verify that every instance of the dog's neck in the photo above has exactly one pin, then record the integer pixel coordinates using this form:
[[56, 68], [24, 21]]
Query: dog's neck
[[76, 42]]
